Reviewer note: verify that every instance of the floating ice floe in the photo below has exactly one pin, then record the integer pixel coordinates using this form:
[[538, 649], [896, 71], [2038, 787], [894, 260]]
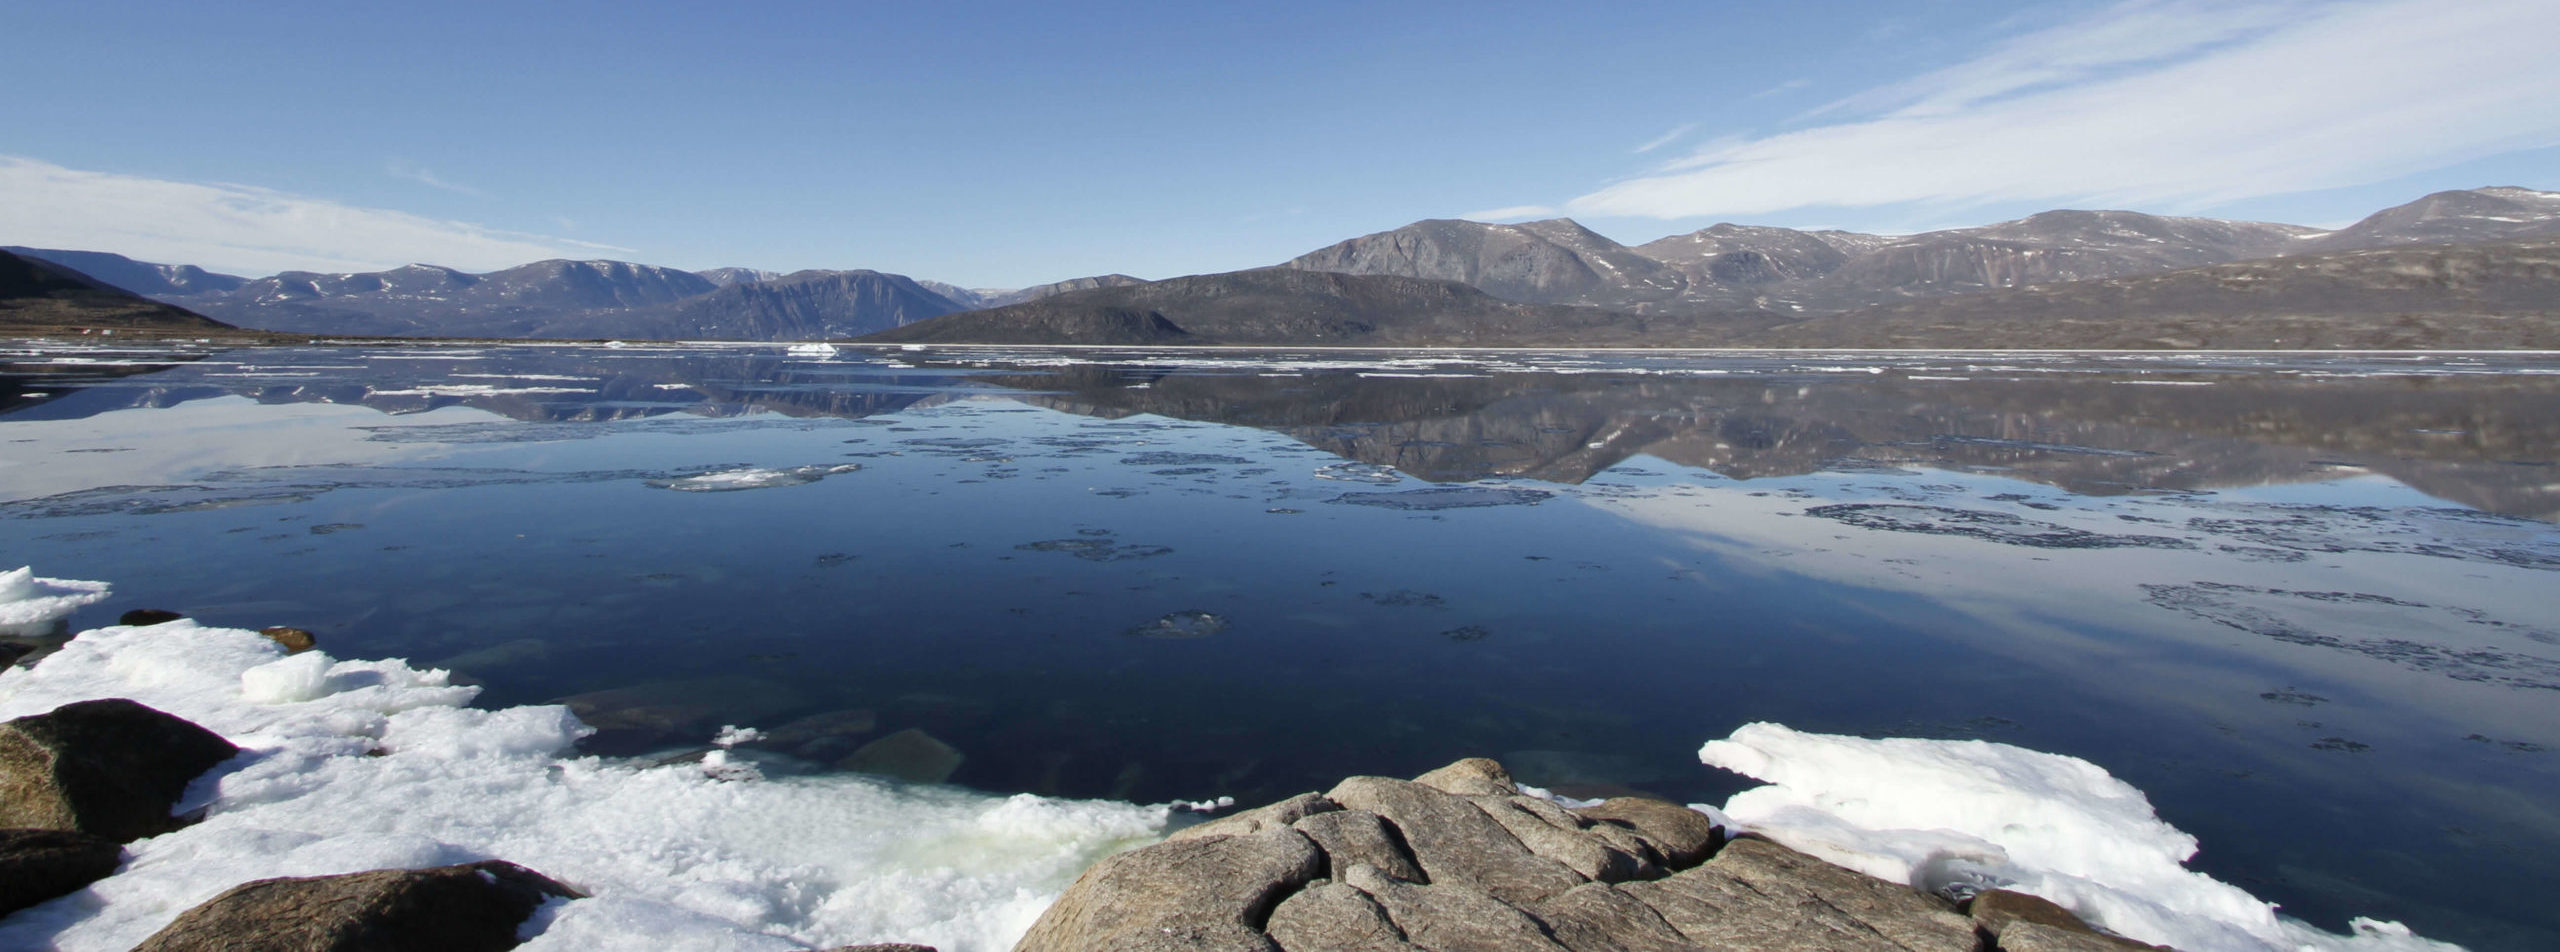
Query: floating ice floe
[[731, 480], [354, 765], [812, 349], [29, 605], [1959, 816]]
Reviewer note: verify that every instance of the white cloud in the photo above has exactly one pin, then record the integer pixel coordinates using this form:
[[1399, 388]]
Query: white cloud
[[242, 228], [1665, 139], [427, 177], [2182, 104], [1510, 212]]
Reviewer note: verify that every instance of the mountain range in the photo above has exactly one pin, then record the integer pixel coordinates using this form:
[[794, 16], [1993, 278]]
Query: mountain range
[[2049, 279]]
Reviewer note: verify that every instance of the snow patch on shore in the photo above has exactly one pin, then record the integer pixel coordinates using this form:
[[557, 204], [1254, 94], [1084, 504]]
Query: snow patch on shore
[[1956, 817], [354, 765]]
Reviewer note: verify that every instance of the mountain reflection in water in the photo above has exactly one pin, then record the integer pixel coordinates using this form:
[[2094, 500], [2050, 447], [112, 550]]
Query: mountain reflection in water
[[2301, 601]]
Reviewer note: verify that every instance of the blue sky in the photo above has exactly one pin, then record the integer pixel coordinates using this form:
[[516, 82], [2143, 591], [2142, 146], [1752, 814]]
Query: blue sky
[[998, 144]]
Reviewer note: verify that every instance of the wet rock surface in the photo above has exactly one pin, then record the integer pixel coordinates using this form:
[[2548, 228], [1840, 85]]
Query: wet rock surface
[[1459, 861], [110, 767], [474, 907]]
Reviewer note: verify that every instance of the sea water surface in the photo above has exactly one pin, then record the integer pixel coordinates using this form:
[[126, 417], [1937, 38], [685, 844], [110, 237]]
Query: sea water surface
[[2309, 604]]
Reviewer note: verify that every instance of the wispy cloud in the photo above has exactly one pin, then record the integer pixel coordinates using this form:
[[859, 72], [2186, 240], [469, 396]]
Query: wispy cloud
[[1785, 87], [1511, 212], [1666, 138], [244, 228], [427, 177], [2181, 104]]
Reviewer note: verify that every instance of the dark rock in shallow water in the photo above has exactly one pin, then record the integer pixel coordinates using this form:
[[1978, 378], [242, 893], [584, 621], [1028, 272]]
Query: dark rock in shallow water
[[909, 754], [109, 767], [474, 907], [37, 865], [148, 616], [294, 640]]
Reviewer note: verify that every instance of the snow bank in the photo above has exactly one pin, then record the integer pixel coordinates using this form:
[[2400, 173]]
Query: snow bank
[[1968, 815], [352, 765]]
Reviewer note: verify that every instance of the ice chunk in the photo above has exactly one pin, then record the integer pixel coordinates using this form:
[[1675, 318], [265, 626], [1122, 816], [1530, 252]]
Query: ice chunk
[[29, 605], [732, 480], [1957, 816]]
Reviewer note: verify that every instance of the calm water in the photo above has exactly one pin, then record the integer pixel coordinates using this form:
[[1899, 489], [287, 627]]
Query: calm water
[[2309, 605]]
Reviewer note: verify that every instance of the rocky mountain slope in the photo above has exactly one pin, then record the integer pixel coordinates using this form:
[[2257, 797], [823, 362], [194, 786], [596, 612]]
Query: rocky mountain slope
[[1728, 266], [561, 299], [38, 296], [2473, 296], [138, 277], [1299, 307]]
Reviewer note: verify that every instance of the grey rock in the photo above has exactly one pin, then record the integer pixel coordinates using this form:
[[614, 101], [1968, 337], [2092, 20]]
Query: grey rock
[[1758, 895], [2019, 920], [1685, 837], [1205, 893], [1333, 917], [1360, 838], [909, 754], [1547, 830], [1596, 917], [2038, 937], [1259, 819], [1472, 777], [1455, 842], [109, 767], [1450, 917], [474, 907], [37, 865]]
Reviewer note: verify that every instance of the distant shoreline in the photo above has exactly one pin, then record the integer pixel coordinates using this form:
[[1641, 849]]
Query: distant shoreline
[[279, 339]]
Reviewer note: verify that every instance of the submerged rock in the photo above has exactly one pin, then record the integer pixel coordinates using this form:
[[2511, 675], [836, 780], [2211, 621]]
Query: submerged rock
[[148, 616], [474, 907], [37, 865], [909, 754], [110, 767]]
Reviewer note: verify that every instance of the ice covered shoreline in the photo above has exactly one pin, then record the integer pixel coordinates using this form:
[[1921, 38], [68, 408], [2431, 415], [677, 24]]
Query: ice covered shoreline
[[356, 765]]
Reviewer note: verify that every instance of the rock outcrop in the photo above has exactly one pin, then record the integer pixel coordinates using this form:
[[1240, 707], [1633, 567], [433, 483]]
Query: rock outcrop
[[474, 907], [111, 767], [37, 865], [1458, 860]]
